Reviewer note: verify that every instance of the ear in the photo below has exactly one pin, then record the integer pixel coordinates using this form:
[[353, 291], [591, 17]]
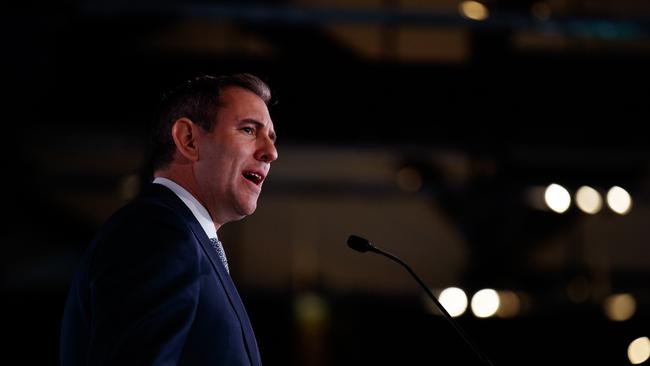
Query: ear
[[185, 134]]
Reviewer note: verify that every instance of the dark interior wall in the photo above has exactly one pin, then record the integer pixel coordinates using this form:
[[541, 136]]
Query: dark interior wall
[[69, 71]]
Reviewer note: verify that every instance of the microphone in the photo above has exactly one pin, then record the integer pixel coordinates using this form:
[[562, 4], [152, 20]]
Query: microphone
[[364, 245], [360, 244]]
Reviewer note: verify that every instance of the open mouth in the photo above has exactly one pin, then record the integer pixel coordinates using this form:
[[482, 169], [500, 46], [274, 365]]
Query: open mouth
[[254, 177]]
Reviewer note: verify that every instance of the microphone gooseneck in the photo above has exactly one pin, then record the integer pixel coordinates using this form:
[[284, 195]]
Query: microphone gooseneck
[[363, 245]]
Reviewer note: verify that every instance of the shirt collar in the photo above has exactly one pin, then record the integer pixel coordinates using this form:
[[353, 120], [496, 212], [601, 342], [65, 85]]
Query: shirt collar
[[192, 203]]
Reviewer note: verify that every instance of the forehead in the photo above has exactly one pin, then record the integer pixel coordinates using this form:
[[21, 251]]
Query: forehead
[[240, 104]]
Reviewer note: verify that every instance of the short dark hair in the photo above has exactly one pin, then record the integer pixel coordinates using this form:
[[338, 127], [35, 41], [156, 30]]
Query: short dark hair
[[198, 100]]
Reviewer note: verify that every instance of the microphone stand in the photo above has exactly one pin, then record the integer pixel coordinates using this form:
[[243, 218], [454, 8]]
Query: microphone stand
[[367, 246]]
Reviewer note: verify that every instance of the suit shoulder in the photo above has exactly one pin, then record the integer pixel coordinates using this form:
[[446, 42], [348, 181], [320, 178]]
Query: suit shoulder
[[145, 223], [143, 233], [145, 211]]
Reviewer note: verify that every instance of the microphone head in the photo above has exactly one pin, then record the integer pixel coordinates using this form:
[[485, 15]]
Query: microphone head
[[359, 244]]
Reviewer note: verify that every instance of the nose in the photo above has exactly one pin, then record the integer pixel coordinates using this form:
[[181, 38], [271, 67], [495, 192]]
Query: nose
[[267, 151]]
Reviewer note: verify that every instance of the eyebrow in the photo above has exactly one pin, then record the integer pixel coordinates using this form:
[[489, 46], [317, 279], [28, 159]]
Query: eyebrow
[[261, 125]]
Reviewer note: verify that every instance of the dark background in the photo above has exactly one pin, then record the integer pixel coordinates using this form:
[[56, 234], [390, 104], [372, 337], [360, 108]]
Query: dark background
[[521, 99]]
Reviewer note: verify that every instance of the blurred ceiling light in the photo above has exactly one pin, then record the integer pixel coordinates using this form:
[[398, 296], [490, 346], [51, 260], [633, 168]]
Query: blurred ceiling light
[[619, 200], [588, 200], [639, 350], [310, 309], [409, 179], [557, 198], [473, 10], [453, 300], [541, 10], [509, 304], [620, 307], [129, 186], [485, 303]]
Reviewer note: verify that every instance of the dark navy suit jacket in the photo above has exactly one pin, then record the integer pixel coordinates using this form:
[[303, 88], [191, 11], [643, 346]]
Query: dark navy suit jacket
[[151, 291]]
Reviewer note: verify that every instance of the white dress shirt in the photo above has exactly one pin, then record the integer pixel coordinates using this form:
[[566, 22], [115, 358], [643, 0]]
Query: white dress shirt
[[192, 203]]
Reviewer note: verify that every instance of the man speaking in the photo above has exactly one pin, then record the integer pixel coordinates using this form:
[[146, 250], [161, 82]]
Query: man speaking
[[154, 286]]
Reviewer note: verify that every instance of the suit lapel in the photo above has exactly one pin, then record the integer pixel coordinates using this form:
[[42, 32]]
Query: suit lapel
[[233, 296], [231, 291]]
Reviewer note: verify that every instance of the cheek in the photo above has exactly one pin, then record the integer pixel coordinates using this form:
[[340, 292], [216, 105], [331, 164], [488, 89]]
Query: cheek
[[229, 161], [231, 171]]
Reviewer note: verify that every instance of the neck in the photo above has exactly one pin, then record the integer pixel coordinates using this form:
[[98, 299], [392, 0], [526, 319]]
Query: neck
[[188, 182]]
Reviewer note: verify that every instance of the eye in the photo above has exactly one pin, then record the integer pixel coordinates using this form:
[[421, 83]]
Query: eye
[[248, 130]]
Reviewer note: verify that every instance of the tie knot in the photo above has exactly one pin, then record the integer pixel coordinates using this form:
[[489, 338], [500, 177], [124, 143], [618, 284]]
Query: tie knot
[[218, 248]]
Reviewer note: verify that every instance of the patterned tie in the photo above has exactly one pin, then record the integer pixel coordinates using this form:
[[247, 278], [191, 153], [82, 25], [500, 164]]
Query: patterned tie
[[216, 244]]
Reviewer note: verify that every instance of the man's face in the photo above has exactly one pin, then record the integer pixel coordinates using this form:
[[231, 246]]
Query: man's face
[[235, 157]]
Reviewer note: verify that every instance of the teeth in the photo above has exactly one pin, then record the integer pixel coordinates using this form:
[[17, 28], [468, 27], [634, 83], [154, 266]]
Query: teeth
[[254, 177]]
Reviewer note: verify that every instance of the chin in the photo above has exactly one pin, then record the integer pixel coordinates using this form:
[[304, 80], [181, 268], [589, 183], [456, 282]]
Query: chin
[[247, 209]]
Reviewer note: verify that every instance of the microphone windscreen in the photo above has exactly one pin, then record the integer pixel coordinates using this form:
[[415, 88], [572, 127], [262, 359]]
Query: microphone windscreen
[[359, 244]]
